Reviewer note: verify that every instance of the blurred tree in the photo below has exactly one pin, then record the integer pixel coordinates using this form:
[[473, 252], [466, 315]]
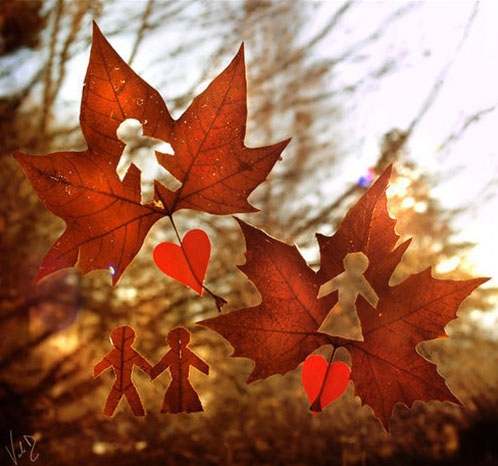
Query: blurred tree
[[52, 334], [20, 25]]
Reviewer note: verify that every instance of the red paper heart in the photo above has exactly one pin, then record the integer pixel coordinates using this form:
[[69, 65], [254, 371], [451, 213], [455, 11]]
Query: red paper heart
[[188, 264], [314, 376]]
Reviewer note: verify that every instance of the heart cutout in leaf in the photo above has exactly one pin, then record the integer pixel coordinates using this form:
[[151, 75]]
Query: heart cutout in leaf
[[324, 382], [187, 263]]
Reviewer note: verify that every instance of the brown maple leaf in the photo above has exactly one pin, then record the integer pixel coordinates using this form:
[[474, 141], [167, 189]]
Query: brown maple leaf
[[106, 222], [386, 367], [280, 332]]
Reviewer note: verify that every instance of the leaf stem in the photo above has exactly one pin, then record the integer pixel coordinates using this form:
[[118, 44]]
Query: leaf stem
[[316, 406]]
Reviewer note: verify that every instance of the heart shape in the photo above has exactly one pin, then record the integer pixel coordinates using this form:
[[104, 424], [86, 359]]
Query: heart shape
[[314, 375], [187, 264]]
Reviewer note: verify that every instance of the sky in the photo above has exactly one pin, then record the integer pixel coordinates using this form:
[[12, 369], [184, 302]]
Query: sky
[[453, 141]]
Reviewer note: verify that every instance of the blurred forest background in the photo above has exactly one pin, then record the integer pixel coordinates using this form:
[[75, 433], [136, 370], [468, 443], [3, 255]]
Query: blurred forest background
[[356, 84]]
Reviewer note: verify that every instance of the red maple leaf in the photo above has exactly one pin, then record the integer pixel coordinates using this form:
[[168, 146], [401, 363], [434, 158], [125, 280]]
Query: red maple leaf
[[106, 223], [280, 332]]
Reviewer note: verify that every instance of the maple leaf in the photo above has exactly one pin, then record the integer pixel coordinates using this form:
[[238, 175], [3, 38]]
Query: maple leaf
[[281, 331], [106, 223], [386, 367]]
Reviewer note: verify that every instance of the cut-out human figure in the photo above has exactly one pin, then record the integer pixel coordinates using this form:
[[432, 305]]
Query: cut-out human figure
[[122, 358], [349, 284], [180, 395], [140, 151]]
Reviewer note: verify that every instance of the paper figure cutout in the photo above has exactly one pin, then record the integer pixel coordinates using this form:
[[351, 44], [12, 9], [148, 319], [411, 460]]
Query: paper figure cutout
[[140, 151], [350, 284], [180, 395], [122, 358]]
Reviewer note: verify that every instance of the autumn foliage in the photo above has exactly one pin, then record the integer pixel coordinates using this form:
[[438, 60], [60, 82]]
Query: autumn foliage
[[107, 222], [280, 332]]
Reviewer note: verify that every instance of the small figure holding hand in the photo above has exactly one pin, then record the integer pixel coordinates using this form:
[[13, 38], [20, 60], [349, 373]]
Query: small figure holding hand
[[122, 358], [180, 396], [140, 151], [350, 284]]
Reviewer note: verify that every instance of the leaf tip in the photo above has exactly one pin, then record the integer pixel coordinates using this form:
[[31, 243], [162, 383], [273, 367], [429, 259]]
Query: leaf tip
[[247, 228], [39, 276], [20, 157], [96, 29], [383, 179], [115, 278], [483, 279], [285, 143], [240, 56]]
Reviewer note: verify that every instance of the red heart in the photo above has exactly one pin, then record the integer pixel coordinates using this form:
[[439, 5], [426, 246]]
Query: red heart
[[314, 376], [188, 264]]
